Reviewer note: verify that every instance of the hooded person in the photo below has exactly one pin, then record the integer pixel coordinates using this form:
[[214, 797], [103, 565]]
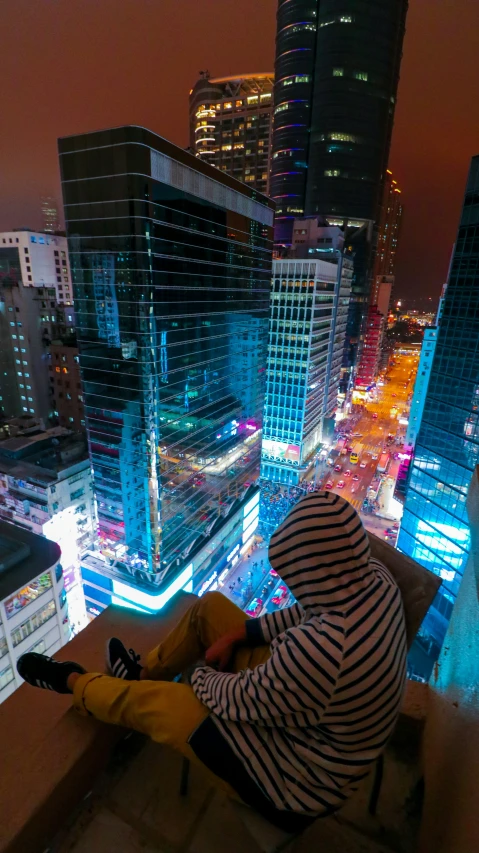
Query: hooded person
[[312, 701], [308, 723]]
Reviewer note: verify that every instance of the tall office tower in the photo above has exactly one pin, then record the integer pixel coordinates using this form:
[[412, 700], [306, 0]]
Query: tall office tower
[[51, 222], [35, 306], [421, 384], [434, 529], [33, 603], [230, 125], [170, 260], [382, 283], [389, 229], [336, 78], [369, 363], [309, 305]]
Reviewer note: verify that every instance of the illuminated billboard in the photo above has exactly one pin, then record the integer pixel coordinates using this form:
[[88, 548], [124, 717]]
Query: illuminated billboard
[[281, 451]]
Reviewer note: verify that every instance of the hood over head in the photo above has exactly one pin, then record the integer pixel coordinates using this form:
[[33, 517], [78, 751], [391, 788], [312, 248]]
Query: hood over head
[[321, 551]]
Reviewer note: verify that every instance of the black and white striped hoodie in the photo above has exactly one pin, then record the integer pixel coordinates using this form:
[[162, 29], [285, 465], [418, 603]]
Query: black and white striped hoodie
[[308, 723]]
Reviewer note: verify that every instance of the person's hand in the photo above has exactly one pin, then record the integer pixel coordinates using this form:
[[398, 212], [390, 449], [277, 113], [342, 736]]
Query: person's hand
[[220, 654]]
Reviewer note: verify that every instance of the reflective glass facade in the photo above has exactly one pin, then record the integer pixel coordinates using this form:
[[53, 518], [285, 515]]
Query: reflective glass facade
[[434, 529], [336, 78], [171, 264]]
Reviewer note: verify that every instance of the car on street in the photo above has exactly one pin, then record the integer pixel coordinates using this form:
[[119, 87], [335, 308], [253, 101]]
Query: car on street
[[375, 414], [255, 607], [347, 473], [396, 525], [273, 573], [374, 456], [355, 478], [341, 484], [337, 468], [329, 484], [362, 464], [280, 595]]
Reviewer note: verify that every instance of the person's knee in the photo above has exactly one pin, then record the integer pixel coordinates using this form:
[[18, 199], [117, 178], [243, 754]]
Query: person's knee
[[212, 602]]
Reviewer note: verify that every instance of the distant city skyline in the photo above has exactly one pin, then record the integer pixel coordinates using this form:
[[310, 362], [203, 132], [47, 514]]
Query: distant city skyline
[[433, 141]]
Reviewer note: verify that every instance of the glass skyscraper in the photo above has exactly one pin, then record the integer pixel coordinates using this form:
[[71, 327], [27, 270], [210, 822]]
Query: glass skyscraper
[[171, 267], [434, 529], [336, 79]]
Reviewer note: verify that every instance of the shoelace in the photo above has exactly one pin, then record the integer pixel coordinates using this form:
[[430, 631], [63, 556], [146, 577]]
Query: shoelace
[[135, 658]]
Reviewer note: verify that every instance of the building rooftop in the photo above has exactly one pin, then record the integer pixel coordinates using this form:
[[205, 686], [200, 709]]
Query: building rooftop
[[131, 134], [41, 456], [23, 556]]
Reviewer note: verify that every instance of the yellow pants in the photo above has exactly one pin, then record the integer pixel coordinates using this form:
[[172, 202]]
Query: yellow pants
[[165, 710]]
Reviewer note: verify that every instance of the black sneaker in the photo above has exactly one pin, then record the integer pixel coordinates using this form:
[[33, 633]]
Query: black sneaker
[[120, 662], [42, 671]]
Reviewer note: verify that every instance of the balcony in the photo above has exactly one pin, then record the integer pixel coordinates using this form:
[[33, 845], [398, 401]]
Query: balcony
[[72, 785]]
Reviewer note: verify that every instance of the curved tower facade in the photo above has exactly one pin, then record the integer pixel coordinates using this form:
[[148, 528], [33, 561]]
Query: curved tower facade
[[294, 74], [337, 73], [230, 125], [358, 56]]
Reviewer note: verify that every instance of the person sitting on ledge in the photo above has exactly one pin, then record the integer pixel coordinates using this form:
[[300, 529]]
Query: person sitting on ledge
[[291, 709]]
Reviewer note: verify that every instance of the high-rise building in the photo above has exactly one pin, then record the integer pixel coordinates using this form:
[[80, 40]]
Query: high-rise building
[[389, 228], [382, 283], [336, 79], [33, 603], [170, 259], [66, 395], [36, 306], [230, 125], [309, 306], [51, 222], [421, 384], [434, 529], [369, 363]]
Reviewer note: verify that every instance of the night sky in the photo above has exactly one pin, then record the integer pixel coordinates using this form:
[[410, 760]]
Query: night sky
[[71, 66]]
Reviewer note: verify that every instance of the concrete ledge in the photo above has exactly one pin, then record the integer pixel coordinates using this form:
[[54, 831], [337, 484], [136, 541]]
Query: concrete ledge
[[51, 755]]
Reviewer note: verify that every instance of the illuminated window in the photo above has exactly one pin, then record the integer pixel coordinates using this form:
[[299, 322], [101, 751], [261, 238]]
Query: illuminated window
[[361, 75], [65, 369], [226, 147], [57, 369], [332, 173], [266, 96], [239, 103], [338, 72], [228, 105], [249, 178], [252, 99], [340, 137]]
